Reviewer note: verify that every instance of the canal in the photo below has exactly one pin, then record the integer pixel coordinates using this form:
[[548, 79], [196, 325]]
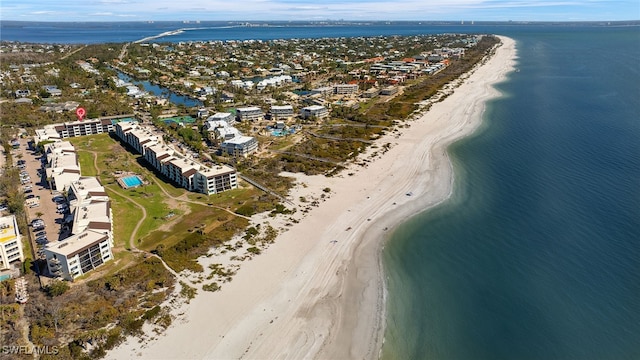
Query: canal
[[160, 91]]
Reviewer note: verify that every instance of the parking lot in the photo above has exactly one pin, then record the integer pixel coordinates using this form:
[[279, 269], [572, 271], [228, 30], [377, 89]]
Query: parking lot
[[39, 203]]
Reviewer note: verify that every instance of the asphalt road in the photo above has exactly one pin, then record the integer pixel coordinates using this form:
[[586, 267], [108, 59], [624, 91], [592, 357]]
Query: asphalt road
[[39, 188]]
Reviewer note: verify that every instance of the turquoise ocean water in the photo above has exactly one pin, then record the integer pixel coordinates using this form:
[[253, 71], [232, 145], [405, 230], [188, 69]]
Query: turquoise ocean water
[[537, 253]]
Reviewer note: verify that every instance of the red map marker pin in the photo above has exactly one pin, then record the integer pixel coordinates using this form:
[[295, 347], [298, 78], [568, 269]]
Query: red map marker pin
[[80, 113]]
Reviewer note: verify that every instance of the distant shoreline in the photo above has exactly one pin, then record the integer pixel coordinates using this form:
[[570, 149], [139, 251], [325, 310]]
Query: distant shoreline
[[140, 31]]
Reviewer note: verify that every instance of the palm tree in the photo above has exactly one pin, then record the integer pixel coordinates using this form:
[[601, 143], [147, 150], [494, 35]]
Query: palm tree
[[39, 214]]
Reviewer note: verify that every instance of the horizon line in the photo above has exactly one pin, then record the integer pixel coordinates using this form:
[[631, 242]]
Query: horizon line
[[333, 21]]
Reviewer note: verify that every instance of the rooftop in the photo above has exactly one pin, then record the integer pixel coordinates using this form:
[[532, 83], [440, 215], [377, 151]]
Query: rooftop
[[76, 243], [8, 229]]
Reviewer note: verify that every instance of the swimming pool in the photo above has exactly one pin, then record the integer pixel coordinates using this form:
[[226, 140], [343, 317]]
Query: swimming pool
[[130, 181], [282, 132], [5, 277]]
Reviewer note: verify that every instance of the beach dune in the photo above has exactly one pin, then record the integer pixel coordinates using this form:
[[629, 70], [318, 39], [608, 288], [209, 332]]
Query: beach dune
[[318, 291]]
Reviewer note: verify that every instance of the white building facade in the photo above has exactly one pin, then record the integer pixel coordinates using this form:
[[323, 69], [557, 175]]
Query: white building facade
[[10, 242]]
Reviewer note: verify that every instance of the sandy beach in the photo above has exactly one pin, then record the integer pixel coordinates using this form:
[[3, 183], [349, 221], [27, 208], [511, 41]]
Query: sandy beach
[[318, 291]]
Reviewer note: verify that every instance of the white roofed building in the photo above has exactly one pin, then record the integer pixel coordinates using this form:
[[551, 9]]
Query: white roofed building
[[251, 113], [222, 116], [240, 146], [314, 111], [62, 164], [78, 254], [185, 172], [282, 112], [10, 242], [85, 190]]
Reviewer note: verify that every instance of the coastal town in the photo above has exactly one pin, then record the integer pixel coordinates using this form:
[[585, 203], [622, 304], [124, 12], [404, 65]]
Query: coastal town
[[126, 165]]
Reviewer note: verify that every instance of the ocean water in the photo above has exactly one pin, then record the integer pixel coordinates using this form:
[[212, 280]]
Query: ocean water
[[176, 31], [97, 32], [537, 253]]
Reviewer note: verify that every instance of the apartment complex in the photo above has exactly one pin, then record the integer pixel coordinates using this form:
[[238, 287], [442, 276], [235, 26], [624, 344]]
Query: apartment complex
[[345, 89], [77, 128], [251, 113], [317, 111], [232, 141], [91, 225], [91, 240], [78, 254], [282, 112], [184, 172], [240, 146], [10, 242], [62, 166], [222, 116]]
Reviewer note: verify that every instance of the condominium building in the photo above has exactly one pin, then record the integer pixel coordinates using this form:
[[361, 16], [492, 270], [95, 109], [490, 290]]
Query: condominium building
[[240, 146], [78, 254], [185, 172], [282, 112], [315, 111], [389, 90], [251, 113], [10, 242], [85, 190], [96, 216], [345, 89], [323, 91], [214, 180], [138, 137], [62, 165], [77, 128], [222, 116], [182, 172], [221, 130], [158, 154], [226, 133]]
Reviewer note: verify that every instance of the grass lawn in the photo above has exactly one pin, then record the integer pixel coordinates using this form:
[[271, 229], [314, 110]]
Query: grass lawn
[[162, 212], [86, 163]]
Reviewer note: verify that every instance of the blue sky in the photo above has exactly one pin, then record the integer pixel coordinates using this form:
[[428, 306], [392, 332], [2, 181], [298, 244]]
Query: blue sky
[[226, 10]]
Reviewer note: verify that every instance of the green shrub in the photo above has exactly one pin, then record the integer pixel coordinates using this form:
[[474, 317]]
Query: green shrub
[[57, 288], [246, 210]]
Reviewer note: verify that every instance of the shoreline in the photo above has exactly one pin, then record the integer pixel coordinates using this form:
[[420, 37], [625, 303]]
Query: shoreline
[[319, 290]]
